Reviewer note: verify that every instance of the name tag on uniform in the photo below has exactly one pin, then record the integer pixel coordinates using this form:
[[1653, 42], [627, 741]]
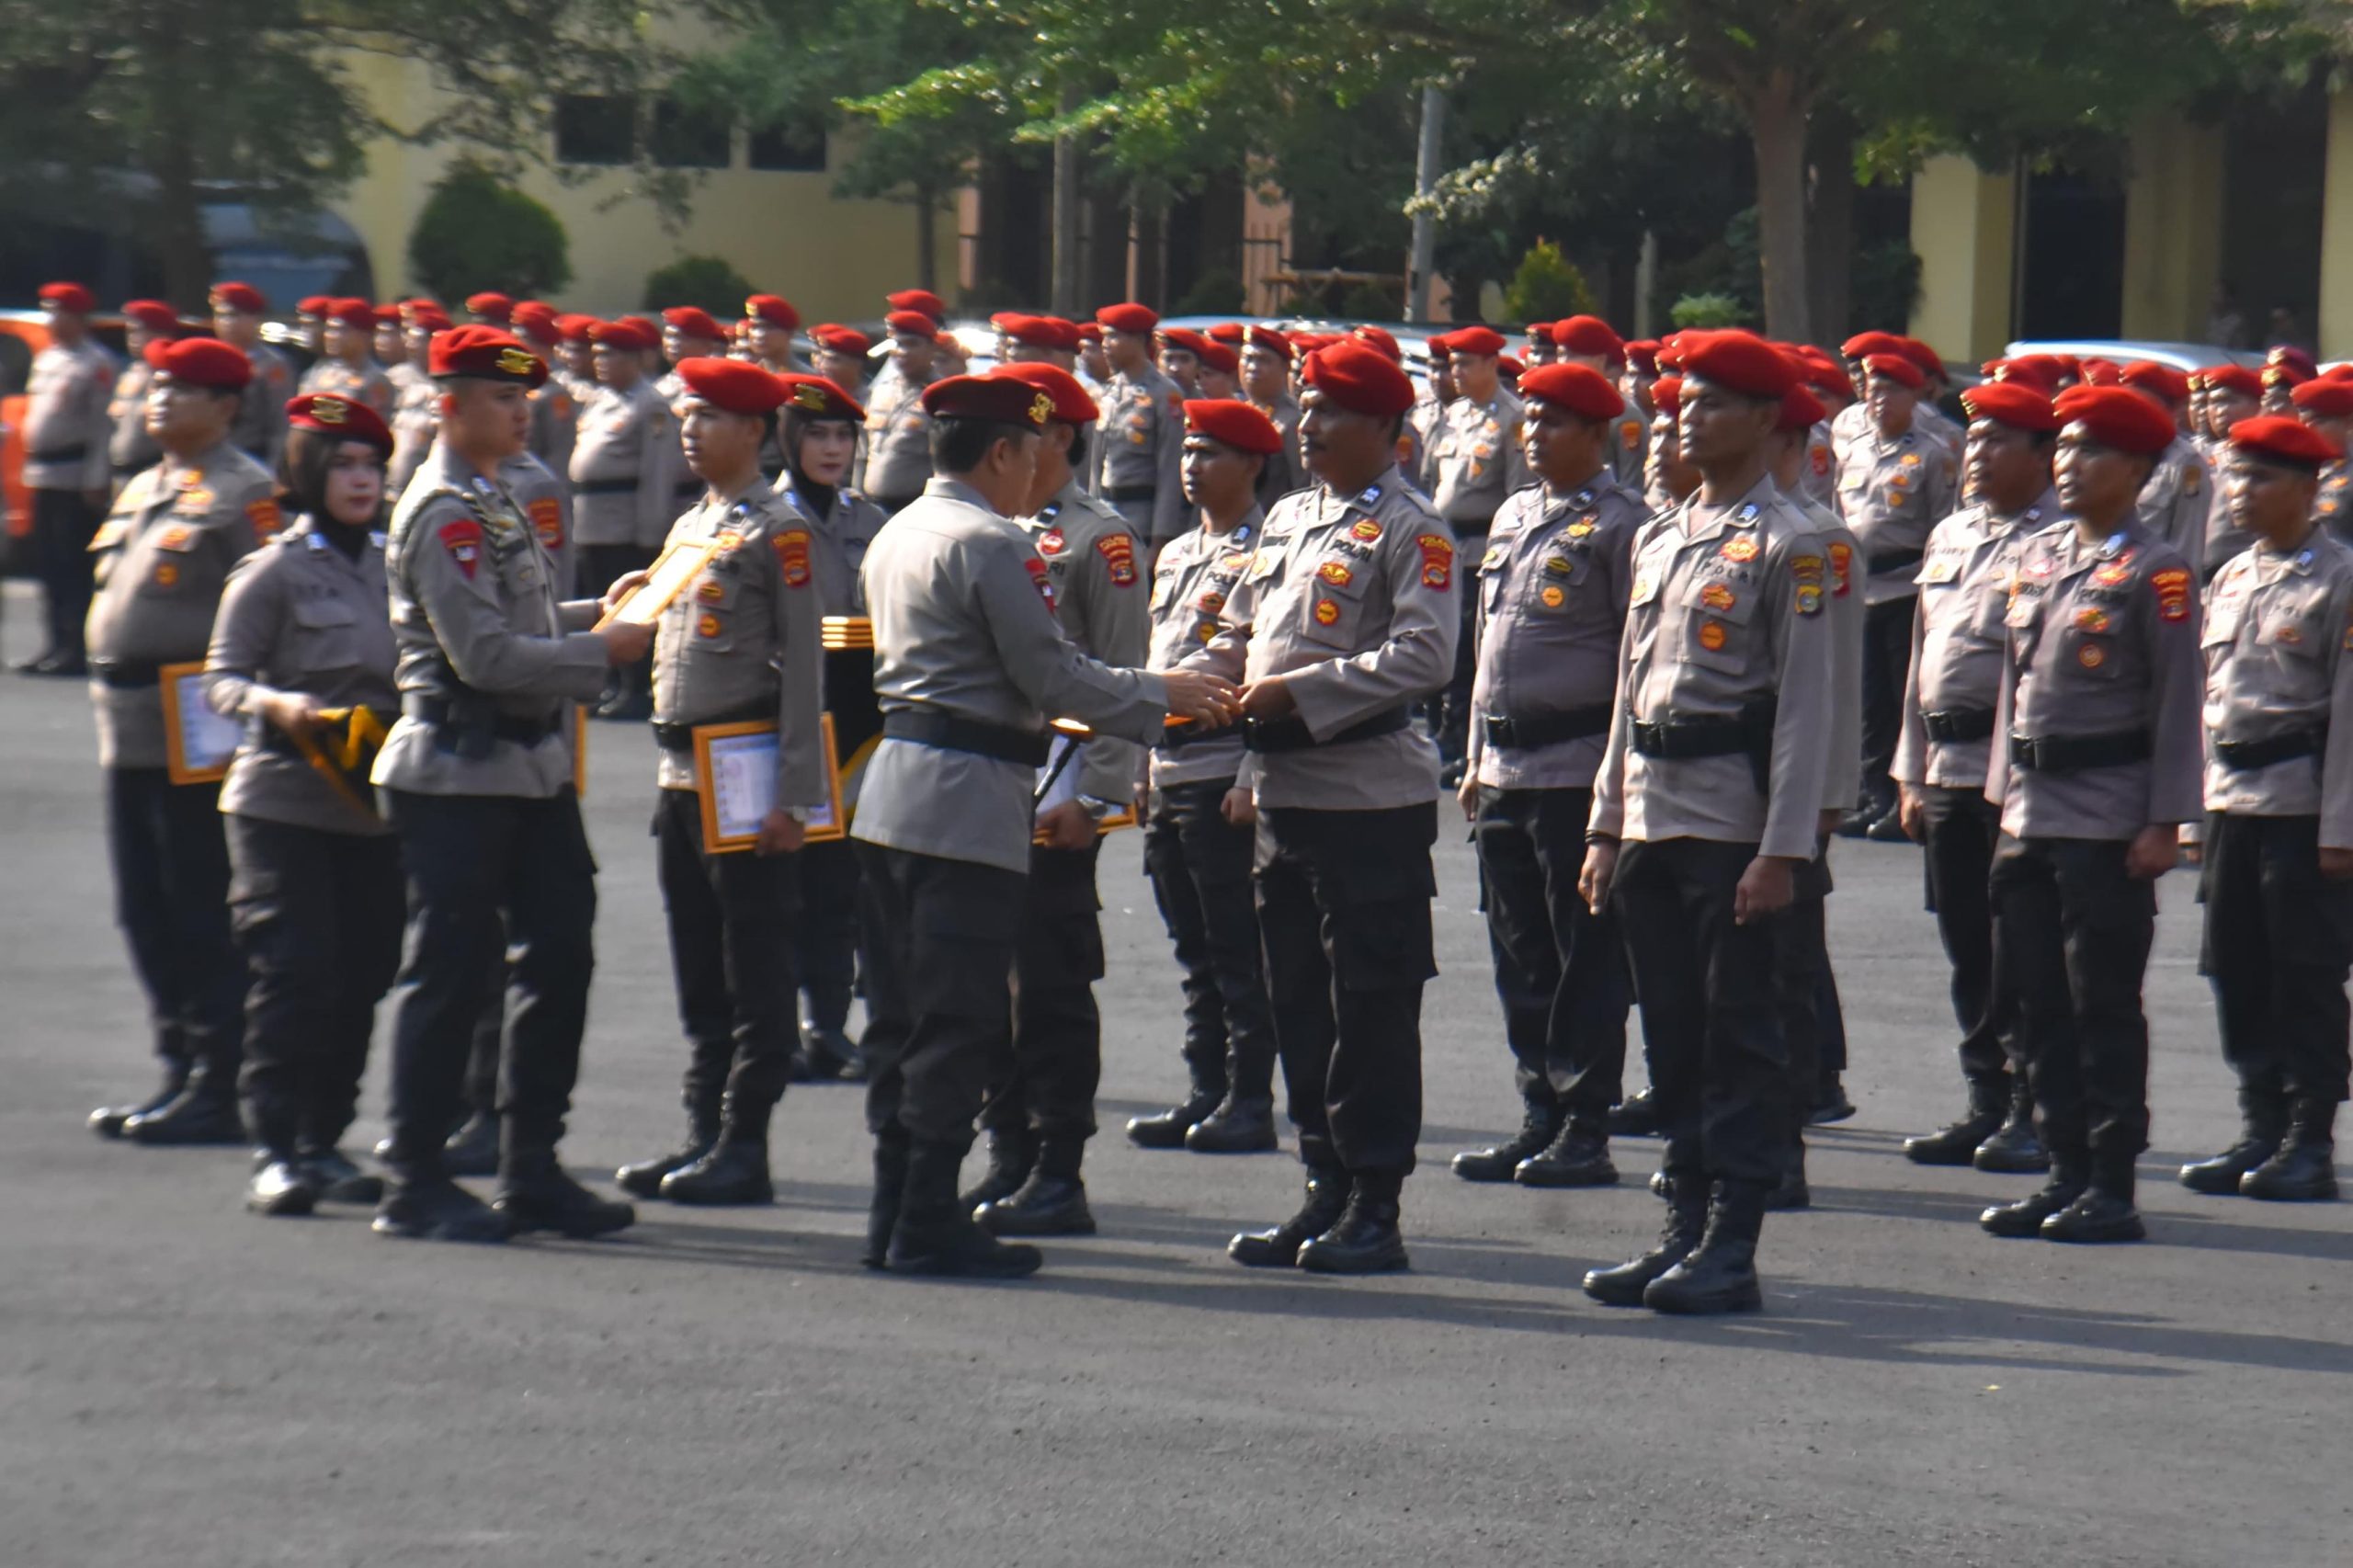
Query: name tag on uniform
[[1940, 568], [1645, 587]]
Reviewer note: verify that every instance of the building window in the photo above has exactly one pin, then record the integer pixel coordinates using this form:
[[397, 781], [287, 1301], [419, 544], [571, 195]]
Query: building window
[[691, 137], [590, 129], [795, 146]]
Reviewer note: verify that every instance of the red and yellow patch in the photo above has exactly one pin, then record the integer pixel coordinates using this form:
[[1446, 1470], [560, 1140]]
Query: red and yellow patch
[[2091, 618], [1365, 529], [1842, 568], [1118, 553], [791, 549], [2287, 633], [176, 537], [2172, 589], [1711, 635], [547, 521], [1335, 572], [708, 625], [1715, 596], [1210, 602], [1041, 581], [166, 574], [1438, 560], [710, 591], [1052, 542], [1552, 597], [1326, 612], [1740, 546], [1206, 632], [1820, 456], [2112, 574], [2092, 656], [264, 517], [462, 537]]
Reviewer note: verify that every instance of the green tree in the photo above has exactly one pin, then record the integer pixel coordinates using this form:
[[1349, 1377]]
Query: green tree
[[1546, 288], [707, 281], [475, 232]]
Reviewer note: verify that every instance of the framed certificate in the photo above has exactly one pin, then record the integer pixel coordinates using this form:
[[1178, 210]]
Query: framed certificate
[[197, 741], [1058, 780], [672, 571], [580, 750], [735, 778]]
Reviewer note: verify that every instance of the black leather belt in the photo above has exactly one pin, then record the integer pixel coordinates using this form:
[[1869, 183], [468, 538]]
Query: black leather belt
[[681, 736], [1291, 734], [1957, 723], [1547, 729], [1118, 492], [435, 713], [1895, 559], [124, 677], [605, 487], [2068, 754], [1176, 737], [59, 454], [2245, 756], [124, 470], [1675, 739], [932, 727]]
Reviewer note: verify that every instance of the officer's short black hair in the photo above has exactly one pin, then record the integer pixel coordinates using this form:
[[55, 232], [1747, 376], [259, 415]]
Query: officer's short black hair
[[1077, 453], [959, 445]]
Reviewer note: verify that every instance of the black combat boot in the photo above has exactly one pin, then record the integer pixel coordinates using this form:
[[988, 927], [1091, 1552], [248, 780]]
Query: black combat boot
[[422, 1203], [281, 1185], [2024, 1218], [1012, 1151], [935, 1233], [1167, 1130], [1051, 1202], [2304, 1168], [1687, 1217], [107, 1120], [340, 1181], [1326, 1199], [1539, 1124], [1635, 1117], [2264, 1114], [536, 1194], [824, 1055], [473, 1149], [2012, 1149], [890, 1191], [204, 1112], [1830, 1102], [1720, 1275], [1791, 1192], [2103, 1211], [1579, 1157], [1365, 1238], [1236, 1127], [645, 1179], [734, 1171], [1956, 1144]]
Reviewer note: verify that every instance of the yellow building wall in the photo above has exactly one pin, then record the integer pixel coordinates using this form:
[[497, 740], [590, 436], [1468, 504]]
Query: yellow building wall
[[2335, 326], [787, 232], [2173, 230], [1964, 229]]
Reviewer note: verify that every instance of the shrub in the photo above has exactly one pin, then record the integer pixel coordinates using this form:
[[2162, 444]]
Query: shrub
[[1708, 311], [707, 281], [1217, 293], [1546, 287], [476, 233]]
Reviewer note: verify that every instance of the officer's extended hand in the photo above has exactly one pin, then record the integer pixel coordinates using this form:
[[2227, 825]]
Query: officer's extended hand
[[1067, 826], [1269, 698], [1238, 808], [2337, 865], [623, 586], [1912, 813], [1199, 695], [296, 713], [1468, 793], [2155, 851], [626, 642], [1599, 870], [780, 834], [1765, 888]]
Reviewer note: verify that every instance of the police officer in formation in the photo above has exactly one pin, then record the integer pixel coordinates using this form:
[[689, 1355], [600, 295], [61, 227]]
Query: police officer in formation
[[1140, 453], [346, 365], [238, 310], [896, 464], [65, 470], [1474, 460], [130, 447]]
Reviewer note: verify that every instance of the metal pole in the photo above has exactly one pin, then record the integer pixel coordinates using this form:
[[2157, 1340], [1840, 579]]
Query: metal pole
[[1417, 278]]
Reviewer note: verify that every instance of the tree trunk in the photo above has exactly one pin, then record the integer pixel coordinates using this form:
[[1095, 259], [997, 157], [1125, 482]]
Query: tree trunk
[[926, 238], [1067, 214], [1152, 256], [1777, 116], [1106, 278], [1830, 236], [177, 225]]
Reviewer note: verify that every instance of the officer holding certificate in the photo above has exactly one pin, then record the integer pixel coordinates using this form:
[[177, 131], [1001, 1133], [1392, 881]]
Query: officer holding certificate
[[737, 645]]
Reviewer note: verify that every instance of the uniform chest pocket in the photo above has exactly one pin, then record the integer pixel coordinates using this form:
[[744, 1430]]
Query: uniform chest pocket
[[173, 563], [1718, 622], [716, 590], [2296, 629], [327, 634], [1336, 604]]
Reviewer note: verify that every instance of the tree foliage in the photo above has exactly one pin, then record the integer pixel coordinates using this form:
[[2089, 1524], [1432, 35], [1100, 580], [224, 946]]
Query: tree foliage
[[475, 232], [1546, 287], [707, 281]]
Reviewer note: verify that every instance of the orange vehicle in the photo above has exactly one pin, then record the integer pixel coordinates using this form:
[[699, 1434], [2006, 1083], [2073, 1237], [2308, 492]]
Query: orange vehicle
[[23, 334]]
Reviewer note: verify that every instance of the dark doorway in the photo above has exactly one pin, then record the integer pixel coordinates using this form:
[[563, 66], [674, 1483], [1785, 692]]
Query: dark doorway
[[2071, 280], [2271, 185]]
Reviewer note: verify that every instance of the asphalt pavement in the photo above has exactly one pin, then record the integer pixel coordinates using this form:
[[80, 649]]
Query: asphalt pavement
[[184, 1383]]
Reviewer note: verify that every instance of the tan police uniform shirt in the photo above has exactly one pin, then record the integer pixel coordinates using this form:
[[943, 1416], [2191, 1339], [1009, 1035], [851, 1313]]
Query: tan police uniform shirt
[[555, 423], [1141, 450], [1959, 636], [1190, 583], [897, 464], [2174, 501], [260, 428], [300, 616], [1476, 461], [1282, 474], [364, 382], [1843, 736], [546, 501], [2103, 640], [1355, 601], [416, 422], [2278, 645], [1094, 566], [2332, 504], [160, 559], [624, 487], [1629, 441], [745, 636], [963, 624], [1891, 493], [130, 447], [843, 537], [67, 423], [477, 619], [1553, 587], [1729, 608]]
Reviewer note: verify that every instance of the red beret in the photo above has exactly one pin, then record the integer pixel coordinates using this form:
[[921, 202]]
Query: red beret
[[1184, 338], [388, 314], [2148, 376], [1737, 361], [2290, 440], [1539, 332], [1004, 400], [1896, 369], [432, 318], [2295, 359], [1670, 355], [622, 335], [2235, 379], [352, 312], [1800, 409], [1822, 373], [913, 323], [1070, 403], [537, 318], [695, 322], [491, 303], [1511, 368], [1360, 379], [2021, 405], [1044, 332], [737, 386], [576, 328], [2280, 373], [313, 305], [1475, 340], [2119, 418], [152, 314], [2327, 396], [1588, 334], [2101, 373], [1439, 345], [1090, 332], [1235, 423], [1221, 359], [1133, 319], [71, 298], [201, 362], [772, 310], [1381, 339], [838, 339], [420, 303], [484, 353], [241, 297], [1863, 344], [820, 398], [1266, 337], [331, 414], [1666, 394], [1226, 332], [923, 301], [1576, 388], [1931, 363], [1642, 354], [2041, 371]]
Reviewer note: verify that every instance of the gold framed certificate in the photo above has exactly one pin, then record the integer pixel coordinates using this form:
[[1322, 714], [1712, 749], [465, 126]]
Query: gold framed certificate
[[735, 782], [668, 577], [580, 750], [197, 741]]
